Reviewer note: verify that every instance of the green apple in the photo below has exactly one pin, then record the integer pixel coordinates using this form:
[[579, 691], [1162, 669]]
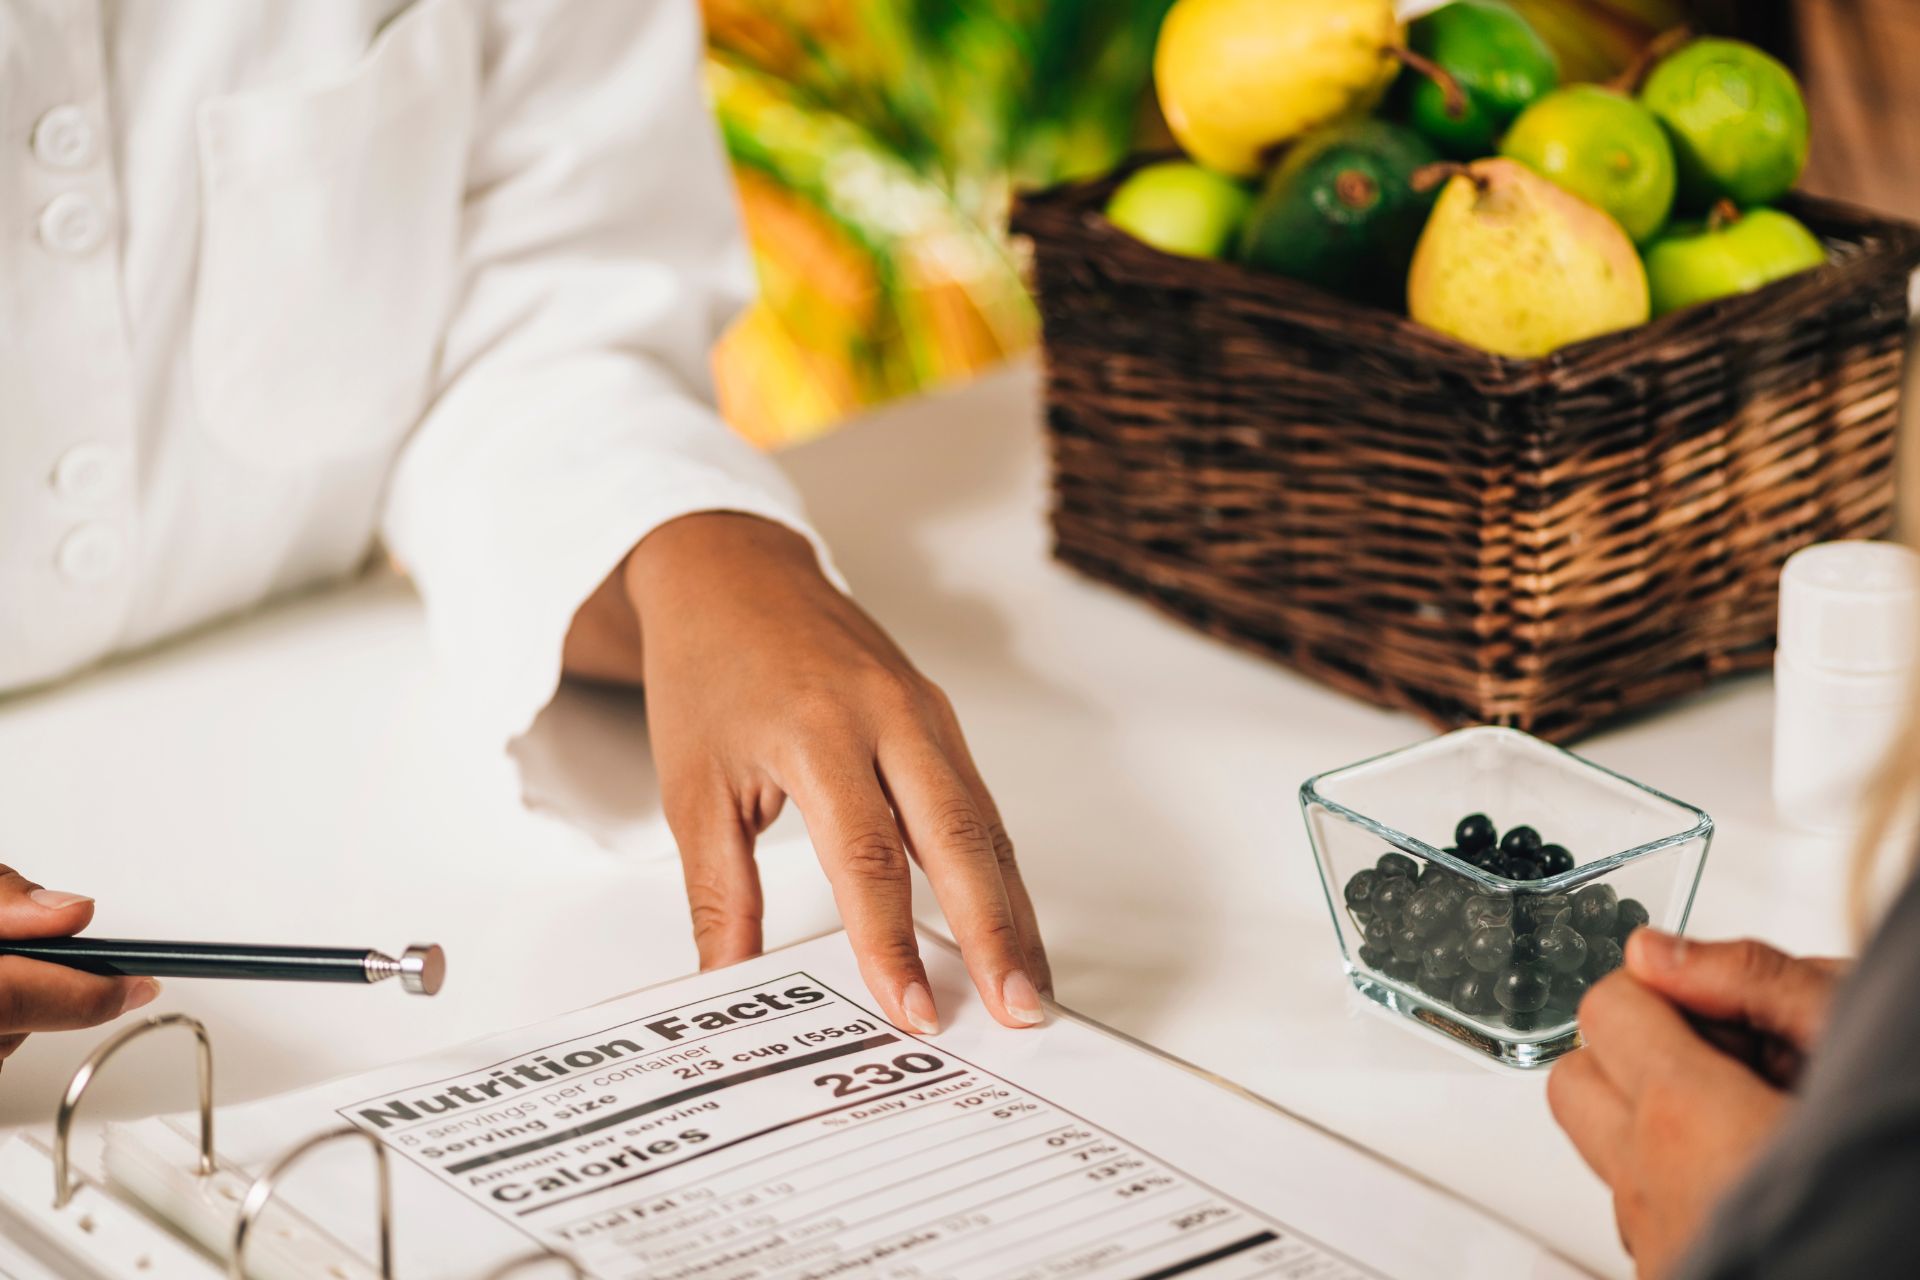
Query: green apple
[[1729, 253], [1181, 208], [1738, 120]]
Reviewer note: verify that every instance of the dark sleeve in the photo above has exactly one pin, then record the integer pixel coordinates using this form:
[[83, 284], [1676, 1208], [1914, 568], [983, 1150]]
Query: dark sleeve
[[1837, 1193]]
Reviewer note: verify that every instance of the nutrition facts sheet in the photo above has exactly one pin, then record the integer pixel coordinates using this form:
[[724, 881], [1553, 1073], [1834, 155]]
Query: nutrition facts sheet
[[764, 1121], [783, 1129]]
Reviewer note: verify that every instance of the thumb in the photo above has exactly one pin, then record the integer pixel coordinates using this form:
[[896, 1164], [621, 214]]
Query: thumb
[[28, 911], [1743, 981]]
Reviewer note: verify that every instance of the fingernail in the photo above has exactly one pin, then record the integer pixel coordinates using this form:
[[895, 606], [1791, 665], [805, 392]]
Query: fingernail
[[1022, 1001], [142, 991], [54, 900], [917, 1003]]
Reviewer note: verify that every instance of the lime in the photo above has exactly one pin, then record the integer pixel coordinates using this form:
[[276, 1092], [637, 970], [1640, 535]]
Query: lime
[[1698, 262], [1738, 121], [1499, 61], [1603, 147], [1181, 208]]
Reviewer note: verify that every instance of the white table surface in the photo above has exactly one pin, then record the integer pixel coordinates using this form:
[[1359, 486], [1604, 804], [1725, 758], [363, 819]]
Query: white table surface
[[304, 775]]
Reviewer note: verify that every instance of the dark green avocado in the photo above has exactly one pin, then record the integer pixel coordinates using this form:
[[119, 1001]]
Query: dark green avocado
[[1340, 211]]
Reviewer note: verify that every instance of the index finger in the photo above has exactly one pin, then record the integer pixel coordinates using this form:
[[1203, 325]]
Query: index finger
[[1746, 981], [861, 849]]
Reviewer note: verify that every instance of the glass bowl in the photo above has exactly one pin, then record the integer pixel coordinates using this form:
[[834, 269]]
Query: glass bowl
[[1469, 943]]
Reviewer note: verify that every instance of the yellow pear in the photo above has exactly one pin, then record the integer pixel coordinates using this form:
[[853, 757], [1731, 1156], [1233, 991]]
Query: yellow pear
[[1512, 264], [1237, 78]]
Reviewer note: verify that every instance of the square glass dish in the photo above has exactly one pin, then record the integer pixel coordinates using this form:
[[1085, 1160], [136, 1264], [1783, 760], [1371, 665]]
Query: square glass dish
[[1494, 944]]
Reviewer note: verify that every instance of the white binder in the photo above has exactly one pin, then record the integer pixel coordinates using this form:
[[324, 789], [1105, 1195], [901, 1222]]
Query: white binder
[[181, 1213]]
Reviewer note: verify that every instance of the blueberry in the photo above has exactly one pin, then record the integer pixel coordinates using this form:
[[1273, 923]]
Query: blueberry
[[1402, 970], [1595, 909], [1378, 933], [1524, 869], [1395, 864], [1633, 914], [1437, 985], [1375, 957], [1603, 957], [1482, 911], [1567, 990], [1474, 832], [1526, 948], [1521, 842], [1556, 859], [1428, 913], [1473, 993], [1453, 893], [1561, 949], [1359, 890], [1446, 957], [1487, 859], [1521, 989], [1539, 911], [1524, 1019], [1489, 950], [1407, 943], [1391, 895]]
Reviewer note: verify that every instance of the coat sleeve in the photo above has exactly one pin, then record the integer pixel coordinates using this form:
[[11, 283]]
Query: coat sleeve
[[601, 257]]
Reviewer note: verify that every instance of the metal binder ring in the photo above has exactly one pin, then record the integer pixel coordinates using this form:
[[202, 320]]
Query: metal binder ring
[[77, 1086], [534, 1259], [263, 1188]]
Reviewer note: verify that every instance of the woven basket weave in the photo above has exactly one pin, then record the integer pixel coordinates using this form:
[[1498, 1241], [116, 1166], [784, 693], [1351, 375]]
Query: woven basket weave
[[1546, 544]]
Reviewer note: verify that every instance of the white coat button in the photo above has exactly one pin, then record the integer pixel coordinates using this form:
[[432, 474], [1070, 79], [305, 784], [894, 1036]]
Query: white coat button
[[72, 223], [91, 553], [63, 139], [88, 473]]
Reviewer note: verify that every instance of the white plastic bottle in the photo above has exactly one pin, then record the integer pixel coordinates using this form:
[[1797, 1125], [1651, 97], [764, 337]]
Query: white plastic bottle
[[1849, 640]]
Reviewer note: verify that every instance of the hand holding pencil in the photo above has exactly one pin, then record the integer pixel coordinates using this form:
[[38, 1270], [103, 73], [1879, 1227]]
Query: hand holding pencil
[[39, 996]]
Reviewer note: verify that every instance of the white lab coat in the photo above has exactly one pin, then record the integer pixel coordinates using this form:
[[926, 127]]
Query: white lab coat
[[281, 277]]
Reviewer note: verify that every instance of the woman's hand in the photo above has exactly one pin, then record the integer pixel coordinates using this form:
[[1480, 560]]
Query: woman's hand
[[1766, 1007], [763, 681], [37, 996], [1669, 1120]]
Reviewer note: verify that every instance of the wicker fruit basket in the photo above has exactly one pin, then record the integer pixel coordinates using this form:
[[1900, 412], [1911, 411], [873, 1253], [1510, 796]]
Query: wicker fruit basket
[[1545, 544]]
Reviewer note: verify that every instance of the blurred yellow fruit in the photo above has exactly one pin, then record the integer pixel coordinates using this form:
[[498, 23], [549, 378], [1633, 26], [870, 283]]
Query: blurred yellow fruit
[[1512, 264], [1237, 78]]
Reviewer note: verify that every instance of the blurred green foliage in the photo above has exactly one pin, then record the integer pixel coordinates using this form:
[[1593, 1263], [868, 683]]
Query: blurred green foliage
[[976, 95], [877, 143]]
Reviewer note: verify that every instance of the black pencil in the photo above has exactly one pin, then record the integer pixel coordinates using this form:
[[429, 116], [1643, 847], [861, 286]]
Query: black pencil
[[421, 968]]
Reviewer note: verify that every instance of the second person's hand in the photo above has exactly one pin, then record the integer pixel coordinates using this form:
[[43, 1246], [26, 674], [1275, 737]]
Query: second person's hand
[[763, 682], [1656, 1104]]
